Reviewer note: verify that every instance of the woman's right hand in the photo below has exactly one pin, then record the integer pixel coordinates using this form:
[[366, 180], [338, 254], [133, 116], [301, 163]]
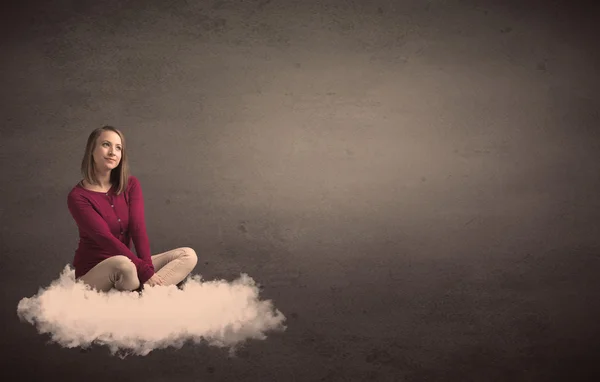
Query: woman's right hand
[[155, 280]]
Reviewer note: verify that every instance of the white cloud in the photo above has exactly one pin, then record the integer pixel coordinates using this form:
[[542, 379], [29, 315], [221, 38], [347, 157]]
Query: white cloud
[[221, 313]]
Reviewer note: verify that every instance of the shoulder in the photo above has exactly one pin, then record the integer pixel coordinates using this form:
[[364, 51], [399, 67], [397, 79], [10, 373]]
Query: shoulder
[[77, 195], [133, 181], [133, 184], [75, 192]]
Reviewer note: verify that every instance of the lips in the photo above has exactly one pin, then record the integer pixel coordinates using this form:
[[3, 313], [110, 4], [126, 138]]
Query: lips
[[109, 159]]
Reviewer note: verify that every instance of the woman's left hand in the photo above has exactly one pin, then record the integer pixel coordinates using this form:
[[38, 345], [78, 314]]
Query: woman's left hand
[[155, 280]]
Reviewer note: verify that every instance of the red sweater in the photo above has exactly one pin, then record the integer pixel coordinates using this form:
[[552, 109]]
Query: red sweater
[[107, 223]]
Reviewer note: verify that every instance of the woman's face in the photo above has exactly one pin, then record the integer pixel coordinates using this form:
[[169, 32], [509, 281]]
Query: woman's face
[[108, 151]]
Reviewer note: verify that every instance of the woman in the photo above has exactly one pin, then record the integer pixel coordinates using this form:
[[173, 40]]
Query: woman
[[108, 208]]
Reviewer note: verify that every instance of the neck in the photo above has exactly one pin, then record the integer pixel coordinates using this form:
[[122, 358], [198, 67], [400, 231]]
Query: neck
[[103, 179]]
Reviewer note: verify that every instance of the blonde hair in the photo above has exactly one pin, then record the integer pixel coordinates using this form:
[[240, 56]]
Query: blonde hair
[[119, 175]]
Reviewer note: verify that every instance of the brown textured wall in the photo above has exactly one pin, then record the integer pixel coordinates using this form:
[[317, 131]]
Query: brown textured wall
[[414, 182]]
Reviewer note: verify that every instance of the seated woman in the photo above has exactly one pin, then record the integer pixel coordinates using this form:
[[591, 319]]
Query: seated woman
[[108, 208]]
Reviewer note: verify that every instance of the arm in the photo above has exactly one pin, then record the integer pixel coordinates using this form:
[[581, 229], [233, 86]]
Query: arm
[[137, 222], [90, 222]]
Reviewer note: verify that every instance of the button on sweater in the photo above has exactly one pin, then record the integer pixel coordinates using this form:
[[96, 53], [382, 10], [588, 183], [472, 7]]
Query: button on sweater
[[107, 224]]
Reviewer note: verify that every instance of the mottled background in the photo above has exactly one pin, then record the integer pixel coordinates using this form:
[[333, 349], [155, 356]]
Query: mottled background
[[415, 183]]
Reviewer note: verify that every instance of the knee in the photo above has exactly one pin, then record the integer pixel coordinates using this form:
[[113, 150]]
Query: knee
[[124, 275], [190, 255], [124, 264]]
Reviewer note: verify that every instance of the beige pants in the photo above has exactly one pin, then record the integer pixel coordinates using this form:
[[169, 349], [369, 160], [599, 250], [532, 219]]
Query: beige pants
[[120, 273]]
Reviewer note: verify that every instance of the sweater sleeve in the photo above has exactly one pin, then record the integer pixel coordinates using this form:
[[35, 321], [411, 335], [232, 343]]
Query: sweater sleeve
[[89, 221], [137, 222]]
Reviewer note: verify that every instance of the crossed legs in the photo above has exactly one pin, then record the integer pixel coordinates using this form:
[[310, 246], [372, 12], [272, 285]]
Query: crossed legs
[[119, 272]]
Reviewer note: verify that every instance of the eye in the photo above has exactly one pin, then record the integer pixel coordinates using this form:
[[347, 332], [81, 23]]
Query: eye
[[105, 144]]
